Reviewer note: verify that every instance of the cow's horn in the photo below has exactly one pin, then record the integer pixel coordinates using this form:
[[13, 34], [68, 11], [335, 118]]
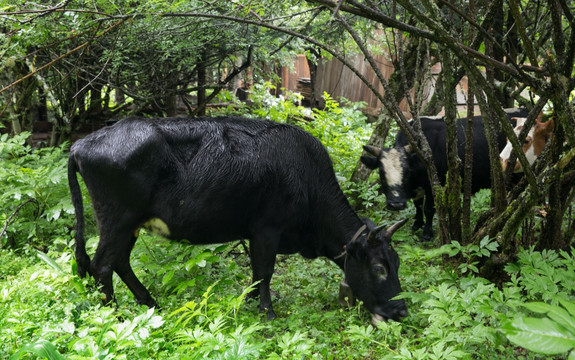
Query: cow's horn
[[393, 228], [373, 150]]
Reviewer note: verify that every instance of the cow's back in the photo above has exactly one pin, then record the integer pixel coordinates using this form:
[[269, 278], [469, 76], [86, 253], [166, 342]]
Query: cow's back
[[210, 180], [435, 131]]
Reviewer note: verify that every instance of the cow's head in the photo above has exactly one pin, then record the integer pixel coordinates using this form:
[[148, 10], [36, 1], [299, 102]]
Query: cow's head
[[371, 267], [393, 165], [533, 144]]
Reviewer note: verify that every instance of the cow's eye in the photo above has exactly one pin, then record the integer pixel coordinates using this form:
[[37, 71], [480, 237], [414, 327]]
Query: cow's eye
[[527, 140], [380, 270]]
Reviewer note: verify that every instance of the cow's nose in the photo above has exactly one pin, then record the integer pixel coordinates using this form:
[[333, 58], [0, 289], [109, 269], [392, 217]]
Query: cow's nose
[[396, 205], [403, 313]]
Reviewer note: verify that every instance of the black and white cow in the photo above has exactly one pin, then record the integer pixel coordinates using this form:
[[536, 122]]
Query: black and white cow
[[403, 176], [222, 179]]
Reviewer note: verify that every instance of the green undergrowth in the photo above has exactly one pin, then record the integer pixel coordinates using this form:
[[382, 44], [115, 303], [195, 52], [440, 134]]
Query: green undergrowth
[[46, 309]]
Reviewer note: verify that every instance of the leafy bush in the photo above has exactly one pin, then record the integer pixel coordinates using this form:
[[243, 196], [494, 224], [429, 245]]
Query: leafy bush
[[547, 276], [33, 193], [471, 253]]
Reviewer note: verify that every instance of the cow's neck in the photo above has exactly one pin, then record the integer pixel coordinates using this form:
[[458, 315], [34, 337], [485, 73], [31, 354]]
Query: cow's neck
[[336, 227]]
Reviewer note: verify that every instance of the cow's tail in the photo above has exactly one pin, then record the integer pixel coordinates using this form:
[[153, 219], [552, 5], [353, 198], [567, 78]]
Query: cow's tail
[[82, 258]]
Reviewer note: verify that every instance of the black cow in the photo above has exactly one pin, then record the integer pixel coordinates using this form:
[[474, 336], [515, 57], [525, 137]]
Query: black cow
[[403, 176], [222, 179]]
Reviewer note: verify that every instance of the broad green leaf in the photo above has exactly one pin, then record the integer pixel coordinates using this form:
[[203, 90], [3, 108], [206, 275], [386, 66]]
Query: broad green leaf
[[556, 313], [570, 306], [541, 335], [41, 348]]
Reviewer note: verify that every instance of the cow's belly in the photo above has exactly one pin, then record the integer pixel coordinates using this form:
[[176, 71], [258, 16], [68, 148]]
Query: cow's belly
[[158, 227], [194, 232]]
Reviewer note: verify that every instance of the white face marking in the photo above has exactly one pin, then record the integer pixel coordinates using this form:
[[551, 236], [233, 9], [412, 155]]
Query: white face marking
[[381, 272], [157, 226], [530, 153], [506, 152], [391, 162]]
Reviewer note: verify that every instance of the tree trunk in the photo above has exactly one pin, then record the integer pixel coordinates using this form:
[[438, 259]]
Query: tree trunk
[[452, 191], [202, 81], [312, 64]]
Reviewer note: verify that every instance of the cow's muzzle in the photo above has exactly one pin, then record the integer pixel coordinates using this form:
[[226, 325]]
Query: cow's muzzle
[[394, 310], [517, 168], [396, 205]]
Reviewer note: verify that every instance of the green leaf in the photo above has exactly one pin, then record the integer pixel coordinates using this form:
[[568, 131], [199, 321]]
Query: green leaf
[[48, 260], [541, 335], [483, 243], [569, 306], [41, 348], [556, 313], [169, 275]]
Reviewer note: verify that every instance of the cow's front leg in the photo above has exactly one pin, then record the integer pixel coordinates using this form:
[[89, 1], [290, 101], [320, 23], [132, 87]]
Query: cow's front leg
[[429, 210], [418, 223]]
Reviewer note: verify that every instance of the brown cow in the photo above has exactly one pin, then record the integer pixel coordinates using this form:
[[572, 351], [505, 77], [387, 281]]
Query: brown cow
[[533, 144]]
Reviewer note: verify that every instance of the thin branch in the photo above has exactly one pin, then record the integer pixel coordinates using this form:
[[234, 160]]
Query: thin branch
[[514, 6], [9, 220], [79, 47]]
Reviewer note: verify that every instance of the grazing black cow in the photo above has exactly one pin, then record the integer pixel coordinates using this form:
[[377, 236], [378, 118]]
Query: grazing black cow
[[403, 176], [219, 180]]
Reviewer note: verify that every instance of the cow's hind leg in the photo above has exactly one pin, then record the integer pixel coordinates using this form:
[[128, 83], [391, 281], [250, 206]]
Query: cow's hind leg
[[124, 270], [113, 254], [102, 270], [263, 249]]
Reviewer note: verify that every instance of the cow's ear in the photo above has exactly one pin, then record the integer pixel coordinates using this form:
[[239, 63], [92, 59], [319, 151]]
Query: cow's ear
[[545, 128], [370, 161], [355, 249], [408, 149], [373, 150]]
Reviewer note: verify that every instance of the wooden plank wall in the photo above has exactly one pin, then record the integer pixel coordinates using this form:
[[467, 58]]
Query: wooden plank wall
[[339, 81]]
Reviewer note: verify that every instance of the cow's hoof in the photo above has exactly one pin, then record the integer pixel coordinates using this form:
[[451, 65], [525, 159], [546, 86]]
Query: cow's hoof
[[149, 302], [271, 314], [426, 238]]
